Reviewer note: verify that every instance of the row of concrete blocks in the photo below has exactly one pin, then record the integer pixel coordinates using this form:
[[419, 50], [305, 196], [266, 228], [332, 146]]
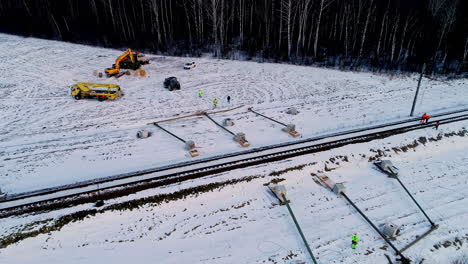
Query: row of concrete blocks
[[290, 129], [239, 137]]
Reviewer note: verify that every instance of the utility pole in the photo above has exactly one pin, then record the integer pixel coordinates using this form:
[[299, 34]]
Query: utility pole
[[417, 89]]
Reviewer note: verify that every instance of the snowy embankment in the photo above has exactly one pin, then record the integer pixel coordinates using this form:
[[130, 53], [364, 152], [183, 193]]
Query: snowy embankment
[[241, 222], [48, 139]]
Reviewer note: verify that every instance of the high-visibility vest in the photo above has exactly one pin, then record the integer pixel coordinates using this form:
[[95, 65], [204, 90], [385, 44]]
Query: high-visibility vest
[[355, 239]]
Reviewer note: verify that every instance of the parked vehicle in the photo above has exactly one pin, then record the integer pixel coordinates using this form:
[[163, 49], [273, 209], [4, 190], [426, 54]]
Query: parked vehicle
[[101, 91], [189, 65], [171, 83]]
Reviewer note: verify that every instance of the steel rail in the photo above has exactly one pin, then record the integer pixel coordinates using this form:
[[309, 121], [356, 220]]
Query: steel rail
[[214, 158], [222, 166]]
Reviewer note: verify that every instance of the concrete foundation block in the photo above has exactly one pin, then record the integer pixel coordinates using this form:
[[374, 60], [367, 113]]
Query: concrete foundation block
[[194, 153], [279, 191], [291, 130], [228, 122], [190, 146], [240, 138], [338, 188], [143, 134], [292, 111], [387, 167], [390, 230]]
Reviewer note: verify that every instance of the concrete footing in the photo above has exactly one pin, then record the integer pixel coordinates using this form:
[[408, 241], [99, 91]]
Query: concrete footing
[[190, 147], [291, 130], [228, 122], [387, 167], [390, 230], [240, 138], [279, 191], [143, 134], [292, 111], [338, 188]]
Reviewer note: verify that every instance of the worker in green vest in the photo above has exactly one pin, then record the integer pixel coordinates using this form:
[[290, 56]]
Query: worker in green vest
[[215, 102], [200, 93], [354, 241]]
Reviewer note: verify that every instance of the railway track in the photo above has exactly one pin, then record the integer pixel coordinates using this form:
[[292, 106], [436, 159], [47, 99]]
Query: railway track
[[124, 184]]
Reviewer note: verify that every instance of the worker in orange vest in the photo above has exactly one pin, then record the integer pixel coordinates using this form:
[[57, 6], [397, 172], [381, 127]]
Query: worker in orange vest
[[425, 118]]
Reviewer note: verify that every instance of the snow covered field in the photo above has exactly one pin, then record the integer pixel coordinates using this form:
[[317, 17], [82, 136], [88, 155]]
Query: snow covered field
[[48, 139], [241, 222]]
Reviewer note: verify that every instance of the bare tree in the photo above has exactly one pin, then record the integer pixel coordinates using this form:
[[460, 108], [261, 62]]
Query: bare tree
[[304, 9], [187, 16], [409, 22], [155, 9], [323, 5], [465, 53], [382, 28], [390, 32], [444, 12], [286, 16], [369, 12], [213, 8], [394, 38], [241, 15]]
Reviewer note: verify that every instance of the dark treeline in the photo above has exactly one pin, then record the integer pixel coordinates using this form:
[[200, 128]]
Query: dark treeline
[[375, 34]]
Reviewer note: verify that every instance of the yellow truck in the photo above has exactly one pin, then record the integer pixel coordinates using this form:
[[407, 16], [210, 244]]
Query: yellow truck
[[101, 91]]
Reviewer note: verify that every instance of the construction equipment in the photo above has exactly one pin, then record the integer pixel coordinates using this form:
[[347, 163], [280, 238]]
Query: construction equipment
[[101, 91], [128, 60], [171, 83]]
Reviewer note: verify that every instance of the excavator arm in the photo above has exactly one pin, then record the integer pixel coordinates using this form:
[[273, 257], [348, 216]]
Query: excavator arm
[[122, 57], [116, 68]]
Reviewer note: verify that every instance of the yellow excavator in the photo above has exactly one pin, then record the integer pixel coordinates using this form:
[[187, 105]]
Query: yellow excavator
[[101, 91], [128, 60]]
